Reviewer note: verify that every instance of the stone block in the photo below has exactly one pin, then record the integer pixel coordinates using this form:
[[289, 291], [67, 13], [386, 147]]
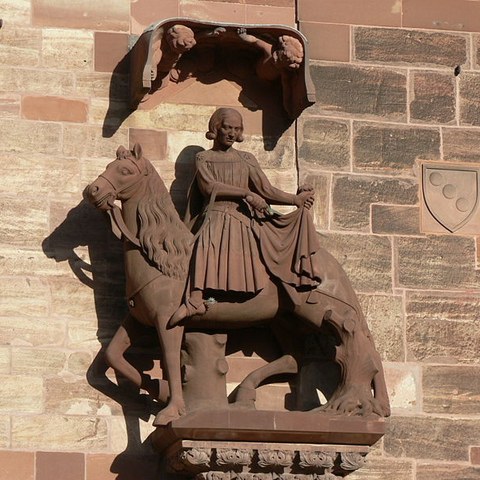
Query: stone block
[[98, 84], [21, 394], [100, 466], [119, 438], [321, 187], [87, 141], [369, 92], [475, 455], [28, 80], [386, 321], [5, 432], [145, 12], [431, 438], [443, 327], [28, 297], [452, 471], [27, 136], [56, 432], [451, 389], [19, 46], [392, 149], [278, 156], [82, 14], [412, 47], [17, 11], [4, 360], [461, 144], [79, 362], [9, 105], [23, 331], [404, 387], [20, 226], [37, 361], [326, 144], [67, 49], [269, 14], [55, 109], [395, 220], [83, 335], [17, 465], [153, 142], [353, 195], [441, 262], [64, 465], [366, 259], [370, 12], [470, 98], [381, 468], [433, 97], [110, 49], [459, 15], [213, 11], [274, 3], [69, 397], [327, 41]]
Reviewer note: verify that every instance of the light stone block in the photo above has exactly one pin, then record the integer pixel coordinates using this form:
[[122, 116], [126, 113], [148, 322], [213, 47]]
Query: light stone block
[[82, 335], [19, 46], [17, 11], [79, 362], [67, 49], [4, 431], [23, 331], [4, 360], [37, 361], [403, 385], [21, 394], [27, 296]]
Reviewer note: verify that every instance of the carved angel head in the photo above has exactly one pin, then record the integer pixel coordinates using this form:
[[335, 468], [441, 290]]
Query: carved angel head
[[288, 53], [180, 38]]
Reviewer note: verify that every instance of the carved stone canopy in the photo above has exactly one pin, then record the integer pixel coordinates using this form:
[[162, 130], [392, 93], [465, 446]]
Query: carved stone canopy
[[272, 56]]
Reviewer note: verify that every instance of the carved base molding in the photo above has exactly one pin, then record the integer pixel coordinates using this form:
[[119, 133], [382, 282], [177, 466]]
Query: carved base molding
[[263, 461]]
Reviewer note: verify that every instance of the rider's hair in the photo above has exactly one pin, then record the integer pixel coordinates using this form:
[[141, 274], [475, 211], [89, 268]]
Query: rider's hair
[[216, 121]]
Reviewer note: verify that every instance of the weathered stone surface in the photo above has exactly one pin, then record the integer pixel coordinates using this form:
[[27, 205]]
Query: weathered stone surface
[[83, 334], [433, 97], [443, 327], [410, 47], [385, 318], [381, 468], [353, 195], [87, 141], [27, 136], [386, 148], [23, 331], [55, 432], [17, 11], [4, 431], [29, 296], [470, 98], [79, 362], [370, 92], [366, 259], [9, 105], [326, 144], [4, 360], [67, 49], [451, 389], [21, 226], [37, 361], [404, 387], [321, 187], [28, 80], [461, 145], [97, 84], [77, 14], [452, 471], [54, 109], [437, 262], [395, 220], [77, 398], [278, 156], [433, 438], [19, 46], [21, 394]]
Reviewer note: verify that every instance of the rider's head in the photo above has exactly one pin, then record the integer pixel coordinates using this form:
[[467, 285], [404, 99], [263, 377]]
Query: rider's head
[[222, 116]]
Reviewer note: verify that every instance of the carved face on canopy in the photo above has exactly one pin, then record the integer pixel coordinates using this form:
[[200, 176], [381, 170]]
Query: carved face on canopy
[[289, 53], [181, 38]]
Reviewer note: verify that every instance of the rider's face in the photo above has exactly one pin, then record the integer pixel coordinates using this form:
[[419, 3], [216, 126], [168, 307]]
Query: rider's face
[[229, 131]]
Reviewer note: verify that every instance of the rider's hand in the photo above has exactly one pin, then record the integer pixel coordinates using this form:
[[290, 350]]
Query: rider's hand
[[256, 202], [305, 199]]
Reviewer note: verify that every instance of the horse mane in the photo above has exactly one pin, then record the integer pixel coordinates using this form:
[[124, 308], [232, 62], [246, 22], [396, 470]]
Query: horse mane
[[165, 239]]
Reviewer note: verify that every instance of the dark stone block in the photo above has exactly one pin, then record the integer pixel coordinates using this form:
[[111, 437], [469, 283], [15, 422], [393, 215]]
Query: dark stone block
[[431, 438], [443, 262], [470, 98], [348, 89], [353, 195], [443, 327], [326, 143], [395, 220], [451, 389], [461, 144], [381, 148], [410, 46], [433, 97]]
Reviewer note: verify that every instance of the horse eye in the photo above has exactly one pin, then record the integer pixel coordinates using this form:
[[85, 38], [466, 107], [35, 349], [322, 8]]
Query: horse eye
[[125, 171]]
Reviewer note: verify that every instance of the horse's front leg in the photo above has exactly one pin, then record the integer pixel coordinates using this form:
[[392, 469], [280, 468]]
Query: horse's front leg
[[171, 342]]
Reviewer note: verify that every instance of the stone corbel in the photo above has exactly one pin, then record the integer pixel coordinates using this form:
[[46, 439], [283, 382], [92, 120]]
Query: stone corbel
[[175, 49]]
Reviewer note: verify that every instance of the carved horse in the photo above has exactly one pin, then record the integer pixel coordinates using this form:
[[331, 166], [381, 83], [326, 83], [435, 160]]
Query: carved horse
[[157, 254]]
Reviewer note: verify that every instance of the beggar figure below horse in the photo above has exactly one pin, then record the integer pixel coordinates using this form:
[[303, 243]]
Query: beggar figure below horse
[[157, 253]]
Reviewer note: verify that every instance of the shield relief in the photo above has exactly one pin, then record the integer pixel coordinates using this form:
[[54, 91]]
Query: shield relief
[[451, 194]]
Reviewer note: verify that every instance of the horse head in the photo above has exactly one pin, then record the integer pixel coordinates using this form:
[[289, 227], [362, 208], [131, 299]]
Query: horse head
[[122, 178]]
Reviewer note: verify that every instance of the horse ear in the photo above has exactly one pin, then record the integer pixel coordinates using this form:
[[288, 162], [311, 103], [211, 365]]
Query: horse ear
[[122, 152], [137, 151]]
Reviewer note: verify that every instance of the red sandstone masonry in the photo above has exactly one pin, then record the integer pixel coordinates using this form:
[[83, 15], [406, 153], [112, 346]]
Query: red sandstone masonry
[[110, 49], [327, 41], [60, 465], [54, 109], [17, 465]]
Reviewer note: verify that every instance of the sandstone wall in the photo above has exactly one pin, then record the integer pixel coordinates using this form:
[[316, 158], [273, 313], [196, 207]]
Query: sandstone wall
[[397, 83]]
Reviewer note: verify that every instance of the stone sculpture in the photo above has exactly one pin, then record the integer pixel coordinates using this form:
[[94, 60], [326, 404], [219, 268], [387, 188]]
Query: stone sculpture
[[158, 248]]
